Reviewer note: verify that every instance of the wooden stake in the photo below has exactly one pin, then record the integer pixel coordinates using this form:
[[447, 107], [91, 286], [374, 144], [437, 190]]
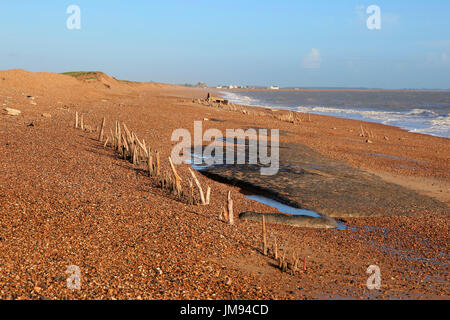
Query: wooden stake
[[177, 177], [294, 264], [230, 209], [225, 213], [264, 235], [158, 163], [191, 196], [126, 148], [128, 134], [134, 154], [208, 196], [275, 249], [112, 138], [221, 215], [106, 142], [119, 137], [142, 146], [76, 120], [150, 162], [102, 130], [145, 147], [200, 190], [82, 122]]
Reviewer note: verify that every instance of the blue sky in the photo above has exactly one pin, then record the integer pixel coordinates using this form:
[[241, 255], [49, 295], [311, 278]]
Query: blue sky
[[257, 42]]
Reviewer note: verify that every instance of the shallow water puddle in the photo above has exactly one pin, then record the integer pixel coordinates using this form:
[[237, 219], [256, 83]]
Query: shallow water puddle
[[282, 207], [200, 159], [201, 165], [290, 210]]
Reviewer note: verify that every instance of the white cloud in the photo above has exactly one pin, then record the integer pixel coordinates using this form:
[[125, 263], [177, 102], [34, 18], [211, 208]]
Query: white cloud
[[312, 60]]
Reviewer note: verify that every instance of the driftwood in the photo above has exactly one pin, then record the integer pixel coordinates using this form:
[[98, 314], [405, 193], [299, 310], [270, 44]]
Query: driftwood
[[106, 142], [230, 209], [199, 186], [119, 137], [177, 177], [208, 196], [82, 122], [264, 235], [102, 130], [275, 248], [150, 163], [158, 163]]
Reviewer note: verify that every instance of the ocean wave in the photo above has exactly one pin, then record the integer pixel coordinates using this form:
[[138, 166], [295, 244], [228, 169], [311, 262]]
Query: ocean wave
[[415, 119], [423, 112]]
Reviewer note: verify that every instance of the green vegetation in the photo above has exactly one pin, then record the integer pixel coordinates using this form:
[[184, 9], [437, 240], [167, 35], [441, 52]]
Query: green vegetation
[[81, 73]]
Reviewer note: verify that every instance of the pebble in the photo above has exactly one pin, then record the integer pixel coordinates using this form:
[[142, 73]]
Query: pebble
[[12, 112]]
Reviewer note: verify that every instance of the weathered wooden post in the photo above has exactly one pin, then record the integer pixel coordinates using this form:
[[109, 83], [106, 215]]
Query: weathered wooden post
[[177, 177], [200, 190], [230, 209], [208, 196], [275, 249], [264, 235], [82, 122], [119, 137], [158, 163], [150, 162], [102, 130]]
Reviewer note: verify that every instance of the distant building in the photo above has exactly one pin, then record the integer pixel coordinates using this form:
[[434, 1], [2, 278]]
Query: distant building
[[274, 88]]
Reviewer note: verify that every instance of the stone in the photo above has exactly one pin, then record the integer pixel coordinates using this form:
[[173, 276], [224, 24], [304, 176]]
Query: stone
[[12, 112], [88, 128], [47, 115]]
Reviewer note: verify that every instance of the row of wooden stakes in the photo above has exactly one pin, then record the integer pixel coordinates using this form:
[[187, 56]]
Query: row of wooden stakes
[[286, 262], [128, 145], [291, 116], [130, 148]]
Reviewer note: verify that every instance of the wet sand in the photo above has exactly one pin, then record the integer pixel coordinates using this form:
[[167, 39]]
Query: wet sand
[[67, 201]]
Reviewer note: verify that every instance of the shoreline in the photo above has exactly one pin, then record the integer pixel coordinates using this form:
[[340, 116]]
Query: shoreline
[[81, 204], [358, 114], [435, 187], [333, 90]]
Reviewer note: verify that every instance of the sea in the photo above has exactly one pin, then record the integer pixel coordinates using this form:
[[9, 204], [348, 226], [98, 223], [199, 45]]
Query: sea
[[426, 112]]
